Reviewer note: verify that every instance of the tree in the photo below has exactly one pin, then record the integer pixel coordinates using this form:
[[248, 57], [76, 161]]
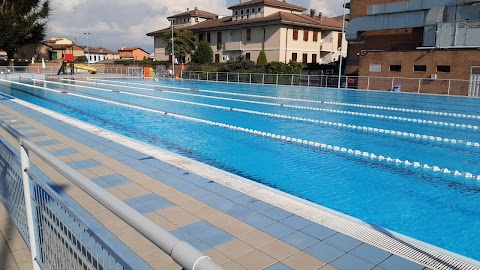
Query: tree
[[203, 54], [81, 59], [262, 58], [22, 22], [184, 41]]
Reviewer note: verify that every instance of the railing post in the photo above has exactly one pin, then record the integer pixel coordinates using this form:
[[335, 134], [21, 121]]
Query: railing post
[[250, 78], [263, 78], [419, 85], [449, 84], [308, 80], [291, 83], [276, 82], [393, 82], [368, 83], [238, 77], [25, 164], [207, 76], [216, 74], [346, 82], [227, 77]]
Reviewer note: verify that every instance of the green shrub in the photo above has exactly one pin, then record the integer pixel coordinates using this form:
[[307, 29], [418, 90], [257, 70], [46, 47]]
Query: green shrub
[[262, 58], [203, 54]]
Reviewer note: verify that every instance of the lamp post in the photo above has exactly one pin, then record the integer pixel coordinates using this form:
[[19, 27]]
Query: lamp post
[[341, 47], [173, 52], [88, 50]]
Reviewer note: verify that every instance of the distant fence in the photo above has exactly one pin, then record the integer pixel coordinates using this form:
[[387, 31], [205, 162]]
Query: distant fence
[[52, 69], [411, 85]]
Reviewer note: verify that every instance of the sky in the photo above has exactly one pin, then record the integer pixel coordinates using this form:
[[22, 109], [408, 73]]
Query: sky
[[116, 23]]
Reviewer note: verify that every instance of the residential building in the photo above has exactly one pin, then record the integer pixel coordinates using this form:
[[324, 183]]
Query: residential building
[[279, 28], [57, 51], [95, 54], [415, 39], [132, 53]]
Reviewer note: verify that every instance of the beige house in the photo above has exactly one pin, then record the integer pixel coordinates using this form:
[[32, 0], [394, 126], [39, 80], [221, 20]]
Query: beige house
[[279, 28]]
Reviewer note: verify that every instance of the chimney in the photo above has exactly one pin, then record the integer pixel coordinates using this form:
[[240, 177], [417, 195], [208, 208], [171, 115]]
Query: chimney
[[320, 14], [196, 8], [188, 9], [312, 12]]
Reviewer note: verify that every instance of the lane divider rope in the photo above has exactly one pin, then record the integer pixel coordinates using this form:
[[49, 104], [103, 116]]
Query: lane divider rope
[[367, 129], [386, 108], [330, 148], [369, 115]]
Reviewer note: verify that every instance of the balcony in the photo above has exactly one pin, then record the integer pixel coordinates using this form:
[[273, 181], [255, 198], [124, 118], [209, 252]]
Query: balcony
[[233, 46]]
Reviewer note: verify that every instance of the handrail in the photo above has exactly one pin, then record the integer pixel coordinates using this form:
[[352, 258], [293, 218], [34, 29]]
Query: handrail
[[181, 252]]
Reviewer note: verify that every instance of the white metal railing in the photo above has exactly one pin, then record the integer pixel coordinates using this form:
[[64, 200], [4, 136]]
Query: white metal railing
[[52, 70], [57, 236], [398, 84]]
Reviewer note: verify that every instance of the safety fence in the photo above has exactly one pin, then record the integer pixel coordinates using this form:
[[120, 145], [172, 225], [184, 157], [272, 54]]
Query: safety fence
[[412, 85], [57, 235], [51, 70]]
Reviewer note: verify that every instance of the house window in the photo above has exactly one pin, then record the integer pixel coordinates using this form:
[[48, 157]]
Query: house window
[[305, 58], [197, 19], [443, 68], [188, 19], [314, 58], [305, 35], [208, 38], [420, 68], [219, 40], [248, 16], [340, 38], [295, 34], [217, 58], [375, 68], [315, 36], [200, 37], [236, 12], [249, 34], [294, 57], [248, 11], [395, 68], [259, 9], [247, 55], [241, 11]]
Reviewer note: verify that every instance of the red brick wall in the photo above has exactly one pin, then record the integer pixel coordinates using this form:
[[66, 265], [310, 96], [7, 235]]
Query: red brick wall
[[460, 62]]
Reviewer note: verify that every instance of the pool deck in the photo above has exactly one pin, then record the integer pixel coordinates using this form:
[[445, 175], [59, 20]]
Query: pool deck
[[240, 225]]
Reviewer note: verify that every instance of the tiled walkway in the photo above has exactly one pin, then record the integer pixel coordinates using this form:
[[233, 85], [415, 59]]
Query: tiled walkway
[[236, 230], [14, 253]]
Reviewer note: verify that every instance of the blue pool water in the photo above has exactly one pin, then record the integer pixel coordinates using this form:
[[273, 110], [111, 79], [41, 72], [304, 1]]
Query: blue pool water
[[430, 205]]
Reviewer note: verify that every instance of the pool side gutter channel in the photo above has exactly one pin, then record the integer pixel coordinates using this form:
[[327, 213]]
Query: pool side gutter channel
[[401, 245]]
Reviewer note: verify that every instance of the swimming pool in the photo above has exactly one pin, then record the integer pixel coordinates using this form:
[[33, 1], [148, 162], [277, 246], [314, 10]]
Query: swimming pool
[[405, 162]]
